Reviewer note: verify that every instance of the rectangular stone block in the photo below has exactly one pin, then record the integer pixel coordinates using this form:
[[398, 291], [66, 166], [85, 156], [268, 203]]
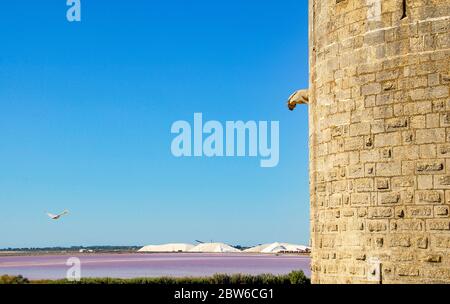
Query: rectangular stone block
[[382, 183], [396, 124], [339, 186], [425, 182], [438, 224], [358, 199], [432, 258], [442, 241], [429, 197], [356, 270], [338, 131], [428, 136], [428, 151], [380, 112], [362, 128], [387, 98], [389, 198], [419, 211], [400, 255], [340, 159], [389, 169], [386, 154], [418, 122], [367, 156], [356, 171], [331, 227], [371, 89], [406, 152], [430, 167], [441, 211], [400, 241], [434, 273], [432, 120], [354, 143], [380, 212], [407, 225], [417, 108], [363, 184], [369, 169], [335, 201], [348, 212], [339, 119], [407, 271], [442, 181], [443, 150], [401, 182], [377, 126], [327, 241], [422, 242], [377, 225], [439, 92], [321, 187]]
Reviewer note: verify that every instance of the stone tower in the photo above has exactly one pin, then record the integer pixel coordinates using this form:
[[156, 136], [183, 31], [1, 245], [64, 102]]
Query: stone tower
[[379, 110]]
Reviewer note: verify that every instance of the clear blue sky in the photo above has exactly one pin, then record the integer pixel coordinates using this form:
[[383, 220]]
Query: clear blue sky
[[86, 110]]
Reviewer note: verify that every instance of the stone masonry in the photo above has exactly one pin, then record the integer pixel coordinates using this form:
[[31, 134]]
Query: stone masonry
[[380, 141]]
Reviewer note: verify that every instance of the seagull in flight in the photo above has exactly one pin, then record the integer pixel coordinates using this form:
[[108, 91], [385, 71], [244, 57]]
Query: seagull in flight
[[57, 216]]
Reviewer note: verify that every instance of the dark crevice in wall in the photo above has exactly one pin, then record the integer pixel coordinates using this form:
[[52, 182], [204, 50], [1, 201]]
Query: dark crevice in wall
[[404, 15]]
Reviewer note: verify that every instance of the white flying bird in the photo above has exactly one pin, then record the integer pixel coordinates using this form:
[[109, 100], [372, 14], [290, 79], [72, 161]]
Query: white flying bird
[[57, 216]]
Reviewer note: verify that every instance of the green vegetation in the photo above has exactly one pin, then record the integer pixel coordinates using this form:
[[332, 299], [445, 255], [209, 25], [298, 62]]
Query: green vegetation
[[295, 277], [13, 280]]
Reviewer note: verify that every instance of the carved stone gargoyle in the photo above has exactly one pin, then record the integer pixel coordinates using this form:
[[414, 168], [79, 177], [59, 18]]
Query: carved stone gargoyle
[[299, 97]]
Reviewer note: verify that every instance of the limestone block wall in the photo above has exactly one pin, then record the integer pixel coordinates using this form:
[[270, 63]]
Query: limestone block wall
[[380, 141]]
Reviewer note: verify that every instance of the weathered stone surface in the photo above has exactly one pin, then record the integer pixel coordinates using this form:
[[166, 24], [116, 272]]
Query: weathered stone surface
[[438, 224], [430, 167], [358, 199], [377, 226], [380, 114], [405, 271], [442, 241], [429, 197], [389, 198], [406, 225], [396, 124], [432, 258], [427, 136], [381, 212], [400, 241], [441, 211], [382, 184], [419, 211], [389, 169]]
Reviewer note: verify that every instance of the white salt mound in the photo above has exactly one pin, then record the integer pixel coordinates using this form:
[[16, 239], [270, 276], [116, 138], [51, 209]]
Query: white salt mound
[[277, 248], [214, 247], [178, 247]]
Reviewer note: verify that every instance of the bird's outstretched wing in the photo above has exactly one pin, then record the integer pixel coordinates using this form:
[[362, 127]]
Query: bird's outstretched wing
[[57, 216], [52, 216]]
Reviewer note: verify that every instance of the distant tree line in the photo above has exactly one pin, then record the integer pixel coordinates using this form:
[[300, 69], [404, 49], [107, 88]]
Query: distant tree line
[[74, 248]]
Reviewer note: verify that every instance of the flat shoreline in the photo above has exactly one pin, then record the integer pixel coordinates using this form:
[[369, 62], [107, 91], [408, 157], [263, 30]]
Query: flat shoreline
[[63, 253], [76, 252]]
